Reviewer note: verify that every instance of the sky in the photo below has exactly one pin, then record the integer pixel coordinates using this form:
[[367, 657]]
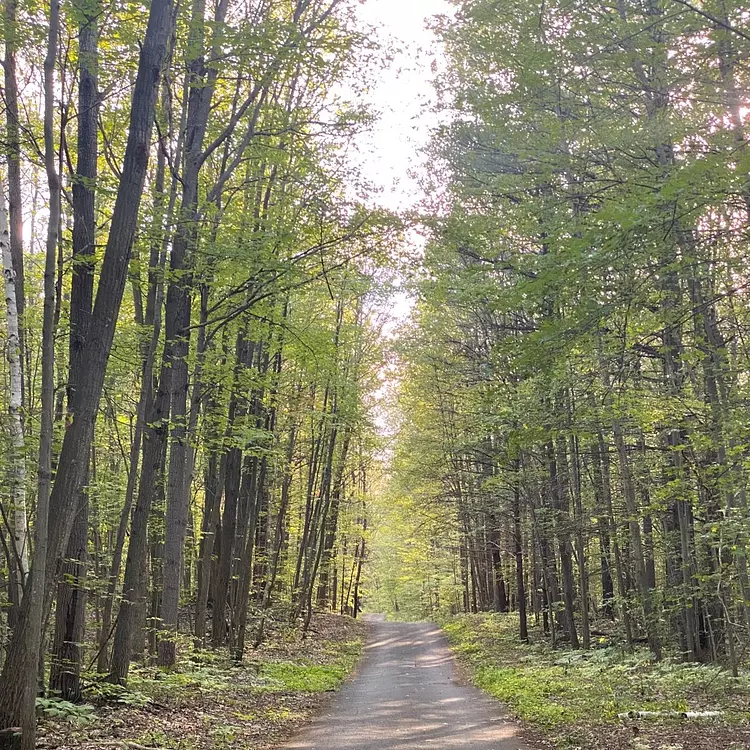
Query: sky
[[389, 155], [402, 96]]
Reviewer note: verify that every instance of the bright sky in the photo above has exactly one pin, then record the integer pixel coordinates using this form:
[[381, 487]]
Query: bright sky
[[390, 154], [402, 97]]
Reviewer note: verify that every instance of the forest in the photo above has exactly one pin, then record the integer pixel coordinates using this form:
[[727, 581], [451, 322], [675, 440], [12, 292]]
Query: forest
[[214, 425]]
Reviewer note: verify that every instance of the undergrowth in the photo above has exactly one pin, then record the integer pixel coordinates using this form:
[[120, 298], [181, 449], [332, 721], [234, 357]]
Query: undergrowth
[[210, 701], [567, 693]]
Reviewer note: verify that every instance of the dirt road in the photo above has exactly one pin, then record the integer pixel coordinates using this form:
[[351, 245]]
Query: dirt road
[[406, 695]]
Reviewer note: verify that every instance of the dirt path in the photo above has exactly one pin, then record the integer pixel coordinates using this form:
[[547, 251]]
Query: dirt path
[[406, 695]]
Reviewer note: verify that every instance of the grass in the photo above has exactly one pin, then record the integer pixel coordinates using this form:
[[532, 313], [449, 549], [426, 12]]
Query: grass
[[304, 677], [571, 695]]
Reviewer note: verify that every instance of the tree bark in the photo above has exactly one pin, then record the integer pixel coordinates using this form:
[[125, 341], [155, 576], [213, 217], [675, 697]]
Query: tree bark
[[15, 205], [70, 613], [20, 532], [20, 669], [559, 491], [278, 537], [201, 83], [628, 491], [155, 410], [518, 553], [214, 485]]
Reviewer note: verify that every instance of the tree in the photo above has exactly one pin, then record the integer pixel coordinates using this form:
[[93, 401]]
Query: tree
[[569, 364], [17, 702]]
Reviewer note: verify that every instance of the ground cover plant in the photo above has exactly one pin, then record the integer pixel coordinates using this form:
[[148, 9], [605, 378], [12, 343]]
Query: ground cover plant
[[210, 700], [574, 699]]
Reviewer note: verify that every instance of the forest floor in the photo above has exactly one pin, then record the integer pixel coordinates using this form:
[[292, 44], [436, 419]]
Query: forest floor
[[213, 702], [571, 699]]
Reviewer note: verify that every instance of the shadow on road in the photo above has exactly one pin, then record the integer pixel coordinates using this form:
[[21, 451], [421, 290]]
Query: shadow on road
[[406, 695]]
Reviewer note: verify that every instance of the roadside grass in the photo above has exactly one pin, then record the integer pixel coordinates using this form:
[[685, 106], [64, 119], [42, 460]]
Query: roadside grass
[[211, 701], [304, 678], [573, 698]]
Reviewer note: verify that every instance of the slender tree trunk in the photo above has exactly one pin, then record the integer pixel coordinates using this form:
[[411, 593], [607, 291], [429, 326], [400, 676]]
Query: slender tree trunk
[[257, 488], [604, 529], [154, 408], [17, 711], [606, 487], [583, 576], [628, 491], [331, 488], [201, 84], [152, 319], [50, 308], [314, 541], [559, 490], [278, 538], [214, 485], [550, 585], [226, 550], [244, 354], [148, 624], [15, 206], [499, 597], [70, 613], [20, 535], [518, 553], [318, 442], [361, 557]]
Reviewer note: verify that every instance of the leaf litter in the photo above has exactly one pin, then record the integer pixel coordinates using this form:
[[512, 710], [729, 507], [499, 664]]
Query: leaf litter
[[214, 703]]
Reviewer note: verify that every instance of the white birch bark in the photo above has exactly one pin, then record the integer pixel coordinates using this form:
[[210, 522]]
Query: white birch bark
[[18, 461]]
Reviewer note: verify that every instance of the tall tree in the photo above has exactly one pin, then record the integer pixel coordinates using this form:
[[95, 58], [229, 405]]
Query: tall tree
[[70, 612], [17, 702]]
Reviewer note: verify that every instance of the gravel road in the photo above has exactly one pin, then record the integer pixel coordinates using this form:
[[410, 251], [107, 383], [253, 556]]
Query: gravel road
[[406, 695]]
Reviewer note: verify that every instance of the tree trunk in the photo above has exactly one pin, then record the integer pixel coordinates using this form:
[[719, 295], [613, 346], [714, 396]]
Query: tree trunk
[[628, 491], [583, 576], [154, 411], [13, 152], [70, 614], [603, 527], [518, 551], [20, 535], [201, 82], [361, 557], [559, 491], [244, 353], [278, 538], [256, 489], [152, 320], [214, 485], [20, 669]]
